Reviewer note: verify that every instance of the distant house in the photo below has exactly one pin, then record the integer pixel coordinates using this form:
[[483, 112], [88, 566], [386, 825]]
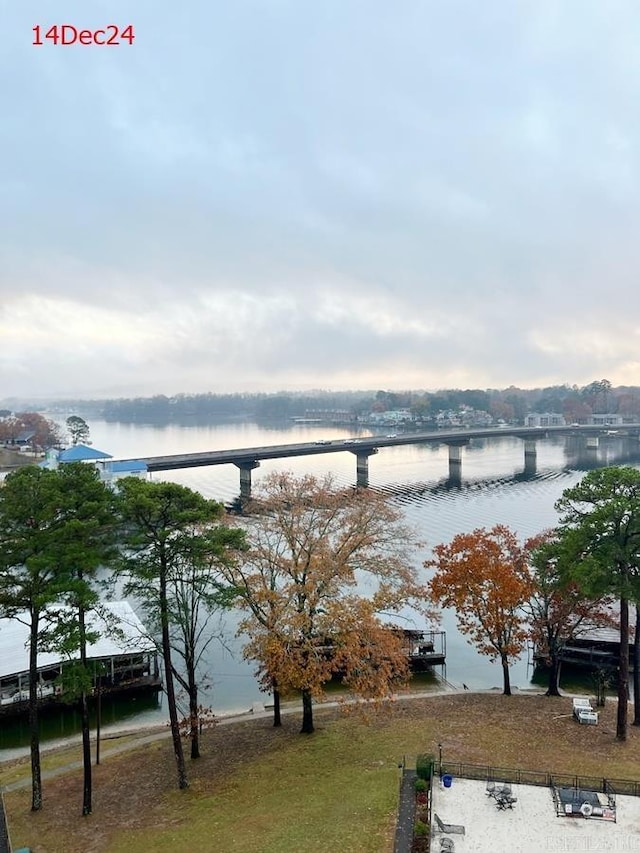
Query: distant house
[[109, 469], [448, 418], [544, 419], [605, 420], [475, 417], [393, 416], [24, 439]]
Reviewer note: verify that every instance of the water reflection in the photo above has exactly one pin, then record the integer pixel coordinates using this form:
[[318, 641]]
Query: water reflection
[[64, 721]]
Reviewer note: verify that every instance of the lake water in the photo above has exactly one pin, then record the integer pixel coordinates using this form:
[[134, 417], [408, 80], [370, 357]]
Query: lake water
[[494, 489]]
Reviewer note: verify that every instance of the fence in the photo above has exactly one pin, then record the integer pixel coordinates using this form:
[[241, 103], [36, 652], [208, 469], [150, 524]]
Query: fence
[[611, 787], [430, 796]]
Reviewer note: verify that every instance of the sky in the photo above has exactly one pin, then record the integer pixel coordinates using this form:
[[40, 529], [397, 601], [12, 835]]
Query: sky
[[281, 194]]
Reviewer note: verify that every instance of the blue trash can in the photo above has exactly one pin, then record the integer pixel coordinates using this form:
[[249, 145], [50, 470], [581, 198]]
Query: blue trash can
[[447, 779]]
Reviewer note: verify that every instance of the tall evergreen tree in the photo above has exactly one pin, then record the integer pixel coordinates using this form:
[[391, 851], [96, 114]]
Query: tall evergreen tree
[[600, 529], [50, 541], [173, 546], [89, 504], [78, 429]]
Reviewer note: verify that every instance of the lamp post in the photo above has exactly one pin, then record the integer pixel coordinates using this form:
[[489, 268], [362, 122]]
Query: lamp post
[[98, 718], [440, 758]]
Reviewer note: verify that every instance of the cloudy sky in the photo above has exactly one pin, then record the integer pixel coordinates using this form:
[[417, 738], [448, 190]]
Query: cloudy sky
[[268, 194]]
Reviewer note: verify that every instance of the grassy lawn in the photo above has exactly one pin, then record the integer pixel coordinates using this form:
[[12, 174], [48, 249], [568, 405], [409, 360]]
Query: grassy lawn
[[261, 789]]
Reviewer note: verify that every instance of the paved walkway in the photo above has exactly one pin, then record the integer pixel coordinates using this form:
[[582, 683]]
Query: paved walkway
[[406, 812]]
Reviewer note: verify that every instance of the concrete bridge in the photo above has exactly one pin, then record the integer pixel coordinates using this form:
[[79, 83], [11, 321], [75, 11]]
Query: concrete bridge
[[248, 458]]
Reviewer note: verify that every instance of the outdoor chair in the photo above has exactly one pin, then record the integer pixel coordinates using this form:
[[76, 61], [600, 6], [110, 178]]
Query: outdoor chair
[[448, 828], [498, 789]]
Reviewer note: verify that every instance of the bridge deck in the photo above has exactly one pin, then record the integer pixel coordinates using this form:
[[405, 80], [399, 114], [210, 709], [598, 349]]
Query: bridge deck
[[363, 446]]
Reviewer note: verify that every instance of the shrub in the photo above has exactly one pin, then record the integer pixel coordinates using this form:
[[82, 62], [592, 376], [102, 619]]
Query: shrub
[[424, 765], [420, 829], [420, 785]]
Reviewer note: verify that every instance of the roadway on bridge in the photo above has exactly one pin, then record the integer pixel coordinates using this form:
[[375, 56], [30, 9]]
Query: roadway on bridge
[[365, 445]]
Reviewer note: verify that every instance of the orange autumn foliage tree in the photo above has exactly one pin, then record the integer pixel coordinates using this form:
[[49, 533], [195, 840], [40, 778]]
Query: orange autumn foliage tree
[[483, 575], [322, 566]]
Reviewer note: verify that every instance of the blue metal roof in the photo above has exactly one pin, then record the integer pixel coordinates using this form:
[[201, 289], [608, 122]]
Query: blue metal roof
[[82, 453], [131, 465]]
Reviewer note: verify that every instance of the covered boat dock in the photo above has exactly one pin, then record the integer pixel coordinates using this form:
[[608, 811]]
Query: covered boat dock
[[123, 656]]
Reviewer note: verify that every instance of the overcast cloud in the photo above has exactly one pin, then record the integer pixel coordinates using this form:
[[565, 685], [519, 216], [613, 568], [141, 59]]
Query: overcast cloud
[[337, 194]]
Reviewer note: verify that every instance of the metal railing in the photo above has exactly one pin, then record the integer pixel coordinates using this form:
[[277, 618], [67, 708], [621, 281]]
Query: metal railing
[[430, 801], [541, 778]]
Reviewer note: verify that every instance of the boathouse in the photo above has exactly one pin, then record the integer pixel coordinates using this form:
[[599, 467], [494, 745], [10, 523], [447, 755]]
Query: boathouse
[[424, 649], [595, 646], [125, 657]]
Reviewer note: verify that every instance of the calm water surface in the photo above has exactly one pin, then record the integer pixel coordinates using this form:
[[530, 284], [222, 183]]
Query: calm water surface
[[494, 490]]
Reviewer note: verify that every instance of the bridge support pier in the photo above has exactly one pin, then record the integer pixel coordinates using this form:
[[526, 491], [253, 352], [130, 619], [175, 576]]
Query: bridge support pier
[[455, 461], [593, 442], [245, 477], [530, 456], [362, 465]]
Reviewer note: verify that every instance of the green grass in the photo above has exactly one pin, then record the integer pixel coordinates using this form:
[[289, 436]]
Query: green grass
[[327, 793]]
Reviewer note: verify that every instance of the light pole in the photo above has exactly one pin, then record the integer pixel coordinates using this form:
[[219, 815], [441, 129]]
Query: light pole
[[440, 758]]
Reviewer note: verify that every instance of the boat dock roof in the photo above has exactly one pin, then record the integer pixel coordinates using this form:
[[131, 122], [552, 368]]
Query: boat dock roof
[[129, 637]]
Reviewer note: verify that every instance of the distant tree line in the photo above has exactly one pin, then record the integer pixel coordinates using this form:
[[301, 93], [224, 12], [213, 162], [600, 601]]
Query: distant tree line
[[199, 407], [509, 404]]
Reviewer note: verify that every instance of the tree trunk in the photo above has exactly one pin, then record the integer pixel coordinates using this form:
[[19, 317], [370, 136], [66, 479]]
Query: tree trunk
[[34, 730], [623, 670], [84, 716], [505, 677], [183, 782], [194, 717], [554, 676], [86, 755], [307, 713], [277, 719], [636, 670]]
